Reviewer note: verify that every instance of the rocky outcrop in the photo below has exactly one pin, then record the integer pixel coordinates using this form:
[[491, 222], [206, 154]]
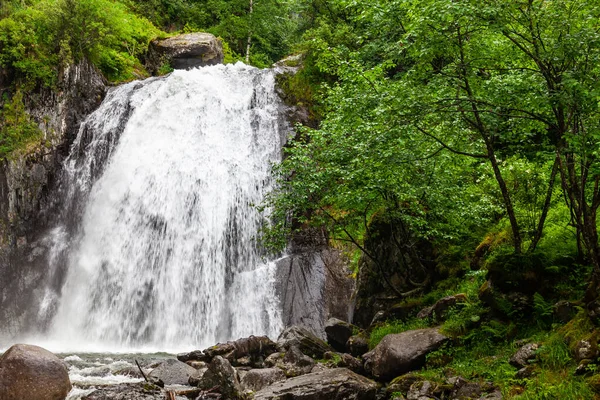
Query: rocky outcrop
[[404, 263], [399, 353], [190, 50], [332, 384], [27, 178], [173, 372], [32, 373], [314, 284]]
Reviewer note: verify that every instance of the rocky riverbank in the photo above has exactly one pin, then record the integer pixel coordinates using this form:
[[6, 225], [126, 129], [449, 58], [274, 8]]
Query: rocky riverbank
[[298, 365]]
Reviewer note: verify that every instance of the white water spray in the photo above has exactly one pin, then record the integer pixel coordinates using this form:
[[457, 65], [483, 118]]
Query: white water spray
[[165, 254]]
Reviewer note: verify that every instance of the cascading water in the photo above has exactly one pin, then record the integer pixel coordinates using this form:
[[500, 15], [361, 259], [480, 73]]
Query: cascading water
[[160, 221]]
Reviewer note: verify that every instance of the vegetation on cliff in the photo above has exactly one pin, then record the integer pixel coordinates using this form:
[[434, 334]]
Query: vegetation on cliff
[[459, 137]]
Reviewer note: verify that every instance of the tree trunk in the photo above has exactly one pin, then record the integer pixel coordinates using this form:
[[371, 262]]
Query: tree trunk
[[249, 42]]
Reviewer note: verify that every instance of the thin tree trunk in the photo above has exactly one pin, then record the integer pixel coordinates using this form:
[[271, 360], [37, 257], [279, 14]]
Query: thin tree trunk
[[249, 42], [547, 202]]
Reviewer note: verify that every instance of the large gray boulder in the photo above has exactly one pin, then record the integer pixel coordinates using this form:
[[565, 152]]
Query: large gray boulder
[[399, 353], [186, 51], [221, 374], [173, 372], [300, 337], [32, 373], [330, 384]]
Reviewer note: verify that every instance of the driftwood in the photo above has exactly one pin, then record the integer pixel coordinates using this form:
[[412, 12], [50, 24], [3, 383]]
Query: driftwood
[[141, 371]]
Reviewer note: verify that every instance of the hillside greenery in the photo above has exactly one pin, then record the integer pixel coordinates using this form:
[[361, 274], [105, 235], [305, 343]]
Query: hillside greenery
[[473, 125]]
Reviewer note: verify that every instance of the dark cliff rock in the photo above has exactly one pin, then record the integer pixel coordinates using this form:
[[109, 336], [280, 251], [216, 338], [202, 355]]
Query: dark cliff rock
[[185, 51], [400, 263], [27, 177], [314, 284]]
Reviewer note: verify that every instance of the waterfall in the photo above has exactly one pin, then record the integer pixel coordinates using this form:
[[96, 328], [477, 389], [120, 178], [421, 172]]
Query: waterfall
[[158, 232]]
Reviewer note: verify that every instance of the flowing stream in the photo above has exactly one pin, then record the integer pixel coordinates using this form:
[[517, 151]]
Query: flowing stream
[[159, 224]]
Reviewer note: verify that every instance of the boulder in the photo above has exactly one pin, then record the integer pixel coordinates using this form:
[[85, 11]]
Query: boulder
[[294, 363], [194, 356], [440, 309], [250, 351], [399, 353], [127, 391], [357, 345], [257, 379], [273, 359], [32, 373], [186, 51], [343, 360], [308, 343], [338, 332], [586, 350], [221, 374], [423, 390], [403, 383], [331, 384], [173, 372], [524, 355]]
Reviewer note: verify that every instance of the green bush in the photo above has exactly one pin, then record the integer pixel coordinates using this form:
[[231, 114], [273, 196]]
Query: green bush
[[17, 129], [37, 41]]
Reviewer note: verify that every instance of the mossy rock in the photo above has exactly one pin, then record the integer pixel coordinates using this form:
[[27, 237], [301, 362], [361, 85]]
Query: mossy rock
[[402, 383]]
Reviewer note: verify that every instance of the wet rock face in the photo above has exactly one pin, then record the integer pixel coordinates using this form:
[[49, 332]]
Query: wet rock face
[[399, 353], [314, 284], [32, 373], [26, 181], [186, 51], [331, 384]]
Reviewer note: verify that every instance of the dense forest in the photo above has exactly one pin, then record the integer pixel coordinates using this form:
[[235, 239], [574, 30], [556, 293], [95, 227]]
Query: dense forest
[[461, 136]]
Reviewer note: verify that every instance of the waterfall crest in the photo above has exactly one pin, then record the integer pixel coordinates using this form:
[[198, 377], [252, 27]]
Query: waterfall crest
[[159, 223]]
